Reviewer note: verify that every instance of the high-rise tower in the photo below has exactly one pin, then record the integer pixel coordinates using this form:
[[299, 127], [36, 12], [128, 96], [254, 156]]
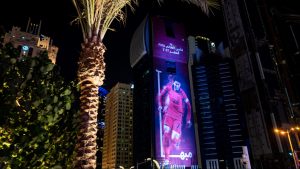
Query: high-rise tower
[[163, 119], [221, 124], [117, 143], [266, 87]]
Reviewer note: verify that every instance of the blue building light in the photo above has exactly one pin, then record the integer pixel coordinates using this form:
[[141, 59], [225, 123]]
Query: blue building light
[[25, 48], [102, 92]]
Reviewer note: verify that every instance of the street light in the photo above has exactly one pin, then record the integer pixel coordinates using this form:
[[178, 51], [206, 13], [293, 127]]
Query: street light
[[295, 129], [287, 132], [152, 161], [155, 162]]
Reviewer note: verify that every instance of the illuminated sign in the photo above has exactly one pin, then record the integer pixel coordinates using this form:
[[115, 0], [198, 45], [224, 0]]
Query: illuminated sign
[[25, 48], [170, 48], [175, 143]]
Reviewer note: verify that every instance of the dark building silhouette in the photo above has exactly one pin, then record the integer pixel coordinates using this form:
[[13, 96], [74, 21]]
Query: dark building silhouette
[[101, 124], [221, 122], [142, 94], [262, 44]]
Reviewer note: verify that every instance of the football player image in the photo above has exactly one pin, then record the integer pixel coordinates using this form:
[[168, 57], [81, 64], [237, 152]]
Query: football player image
[[173, 103]]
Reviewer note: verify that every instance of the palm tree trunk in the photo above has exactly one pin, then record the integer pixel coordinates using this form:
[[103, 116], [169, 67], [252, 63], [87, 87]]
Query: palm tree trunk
[[91, 75]]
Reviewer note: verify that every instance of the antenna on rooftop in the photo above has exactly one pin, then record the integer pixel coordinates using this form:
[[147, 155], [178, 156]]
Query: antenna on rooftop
[[35, 29], [40, 25], [28, 23]]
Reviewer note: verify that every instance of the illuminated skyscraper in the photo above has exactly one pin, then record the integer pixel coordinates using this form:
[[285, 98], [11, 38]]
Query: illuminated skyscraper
[[31, 42], [117, 143], [163, 119], [221, 123]]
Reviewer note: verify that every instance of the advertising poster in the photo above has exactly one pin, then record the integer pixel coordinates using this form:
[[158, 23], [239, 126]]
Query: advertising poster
[[175, 144]]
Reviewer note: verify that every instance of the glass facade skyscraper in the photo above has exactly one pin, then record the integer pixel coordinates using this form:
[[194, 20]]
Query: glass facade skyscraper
[[220, 118], [221, 126]]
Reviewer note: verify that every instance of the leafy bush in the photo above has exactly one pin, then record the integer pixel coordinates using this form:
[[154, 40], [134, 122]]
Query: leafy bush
[[37, 113]]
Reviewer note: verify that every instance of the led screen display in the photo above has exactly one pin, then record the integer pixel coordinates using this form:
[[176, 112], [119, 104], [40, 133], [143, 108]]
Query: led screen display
[[175, 143]]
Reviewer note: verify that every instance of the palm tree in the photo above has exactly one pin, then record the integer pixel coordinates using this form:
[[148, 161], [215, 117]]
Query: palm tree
[[95, 18]]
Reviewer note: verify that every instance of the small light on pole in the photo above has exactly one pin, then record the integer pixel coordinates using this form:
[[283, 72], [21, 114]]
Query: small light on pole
[[287, 131], [282, 132]]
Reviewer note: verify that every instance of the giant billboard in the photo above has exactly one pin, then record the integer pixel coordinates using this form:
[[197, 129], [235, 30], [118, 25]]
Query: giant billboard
[[175, 143]]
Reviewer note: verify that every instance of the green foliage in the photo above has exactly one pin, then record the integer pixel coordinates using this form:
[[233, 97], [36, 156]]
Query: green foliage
[[37, 112]]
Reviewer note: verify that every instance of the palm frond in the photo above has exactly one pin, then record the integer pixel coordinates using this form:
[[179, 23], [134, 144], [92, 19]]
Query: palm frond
[[96, 16]]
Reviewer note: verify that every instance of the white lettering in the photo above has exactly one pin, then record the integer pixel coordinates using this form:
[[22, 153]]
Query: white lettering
[[170, 48], [185, 156]]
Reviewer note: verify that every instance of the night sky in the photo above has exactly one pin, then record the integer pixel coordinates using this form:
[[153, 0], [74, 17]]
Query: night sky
[[56, 16]]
